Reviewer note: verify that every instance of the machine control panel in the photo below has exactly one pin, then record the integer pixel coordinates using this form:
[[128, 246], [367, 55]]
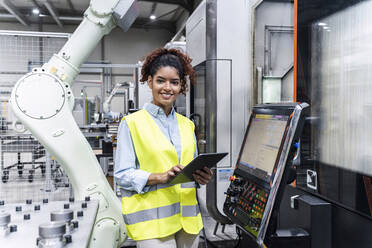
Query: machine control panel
[[246, 201], [263, 168]]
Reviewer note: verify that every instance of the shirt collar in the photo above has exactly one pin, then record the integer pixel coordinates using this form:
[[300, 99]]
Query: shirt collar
[[156, 111]]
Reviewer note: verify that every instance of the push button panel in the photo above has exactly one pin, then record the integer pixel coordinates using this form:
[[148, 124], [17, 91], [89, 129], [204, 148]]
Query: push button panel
[[246, 201]]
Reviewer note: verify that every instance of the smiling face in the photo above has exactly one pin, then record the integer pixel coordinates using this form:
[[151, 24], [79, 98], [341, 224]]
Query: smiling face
[[165, 86]]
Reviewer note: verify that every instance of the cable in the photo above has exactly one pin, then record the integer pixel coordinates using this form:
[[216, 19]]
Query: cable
[[239, 233], [197, 199]]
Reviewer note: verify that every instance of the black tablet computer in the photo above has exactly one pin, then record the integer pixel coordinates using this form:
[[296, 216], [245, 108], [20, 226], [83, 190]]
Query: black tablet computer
[[203, 160]]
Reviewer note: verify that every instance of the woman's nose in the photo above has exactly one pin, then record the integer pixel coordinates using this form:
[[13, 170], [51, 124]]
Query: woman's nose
[[167, 85]]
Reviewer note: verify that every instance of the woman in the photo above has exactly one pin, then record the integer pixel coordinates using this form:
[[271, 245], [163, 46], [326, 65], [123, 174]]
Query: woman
[[153, 146]]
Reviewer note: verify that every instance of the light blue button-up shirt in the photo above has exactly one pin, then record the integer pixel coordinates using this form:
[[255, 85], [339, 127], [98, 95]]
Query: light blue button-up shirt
[[127, 173]]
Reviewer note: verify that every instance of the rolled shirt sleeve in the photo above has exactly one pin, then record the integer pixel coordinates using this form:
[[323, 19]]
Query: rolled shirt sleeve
[[127, 173]]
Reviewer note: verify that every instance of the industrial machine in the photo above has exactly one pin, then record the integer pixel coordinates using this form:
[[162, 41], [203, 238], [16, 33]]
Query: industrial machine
[[42, 101], [264, 167], [332, 73], [228, 41], [47, 224], [219, 101]]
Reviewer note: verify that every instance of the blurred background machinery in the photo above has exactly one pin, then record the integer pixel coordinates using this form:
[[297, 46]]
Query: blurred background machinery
[[27, 170]]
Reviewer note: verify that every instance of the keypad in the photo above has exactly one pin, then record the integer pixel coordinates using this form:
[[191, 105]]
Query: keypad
[[246, 201]]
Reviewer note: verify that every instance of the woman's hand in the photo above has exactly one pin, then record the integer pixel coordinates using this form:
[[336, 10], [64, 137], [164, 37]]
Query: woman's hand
[[160, 178], [203, 176]]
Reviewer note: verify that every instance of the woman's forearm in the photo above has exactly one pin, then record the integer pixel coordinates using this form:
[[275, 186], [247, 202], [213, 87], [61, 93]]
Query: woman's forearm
[[157, 178]]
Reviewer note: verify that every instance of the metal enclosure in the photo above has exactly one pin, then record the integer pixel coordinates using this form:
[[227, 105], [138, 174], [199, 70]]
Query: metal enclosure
[[333, 67], [216, 39], [222, 38]]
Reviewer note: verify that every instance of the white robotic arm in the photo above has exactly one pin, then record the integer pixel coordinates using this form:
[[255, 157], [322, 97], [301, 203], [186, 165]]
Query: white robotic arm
[[42, 100], [107, 103]]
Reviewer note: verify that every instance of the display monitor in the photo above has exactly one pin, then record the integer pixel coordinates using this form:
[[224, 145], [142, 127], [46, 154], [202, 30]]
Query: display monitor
[[261, 146], [263, 168]]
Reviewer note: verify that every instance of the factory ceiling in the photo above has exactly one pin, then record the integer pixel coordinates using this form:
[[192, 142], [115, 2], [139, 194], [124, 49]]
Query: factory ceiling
[[165, 13]]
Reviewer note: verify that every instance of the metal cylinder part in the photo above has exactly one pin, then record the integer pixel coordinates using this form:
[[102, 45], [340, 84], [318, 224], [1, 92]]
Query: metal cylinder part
[[65, 215], [4, 219], [52, 230]]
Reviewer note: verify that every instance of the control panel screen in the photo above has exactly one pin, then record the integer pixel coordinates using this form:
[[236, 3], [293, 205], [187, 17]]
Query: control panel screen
[[263, 168], [262, 144]]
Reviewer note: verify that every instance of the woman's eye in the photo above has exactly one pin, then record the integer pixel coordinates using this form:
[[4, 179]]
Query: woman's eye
[[175, 82], [160, 81]]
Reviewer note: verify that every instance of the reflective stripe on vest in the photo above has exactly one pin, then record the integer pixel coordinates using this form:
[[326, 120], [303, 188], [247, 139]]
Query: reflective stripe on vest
[[151, 214], [188, 185], [190, 211], [164, 209], [161, 212]]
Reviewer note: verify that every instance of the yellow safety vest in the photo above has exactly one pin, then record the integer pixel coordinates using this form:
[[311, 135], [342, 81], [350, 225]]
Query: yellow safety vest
[[164, 209]]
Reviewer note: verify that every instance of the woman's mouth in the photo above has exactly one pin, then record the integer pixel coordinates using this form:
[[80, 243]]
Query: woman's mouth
[[166, 96]]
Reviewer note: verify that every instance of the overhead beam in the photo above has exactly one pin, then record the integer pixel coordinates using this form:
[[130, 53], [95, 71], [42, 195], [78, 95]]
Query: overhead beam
[[142, 23], [177, 14], [53, 12], [14, 11], [153, 8], [184, 4], [71, 6], [36, 4]]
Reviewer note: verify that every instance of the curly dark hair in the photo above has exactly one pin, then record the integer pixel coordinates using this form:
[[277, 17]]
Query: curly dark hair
[[162, 57]]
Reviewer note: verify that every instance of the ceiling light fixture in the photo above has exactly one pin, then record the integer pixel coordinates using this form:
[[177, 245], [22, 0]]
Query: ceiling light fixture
[[152, 13], [35, 11]]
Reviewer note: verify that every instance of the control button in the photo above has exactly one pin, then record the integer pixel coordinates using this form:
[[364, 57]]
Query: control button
[[232, 178], [13, 228], [2, 203], [87, 198], [45, 200], [68, 239], [28, 202], [18, 208], [80, 213], [26, 216], [71, 199], [66, 206], [75, 224], [37, 207], [84, 205]]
